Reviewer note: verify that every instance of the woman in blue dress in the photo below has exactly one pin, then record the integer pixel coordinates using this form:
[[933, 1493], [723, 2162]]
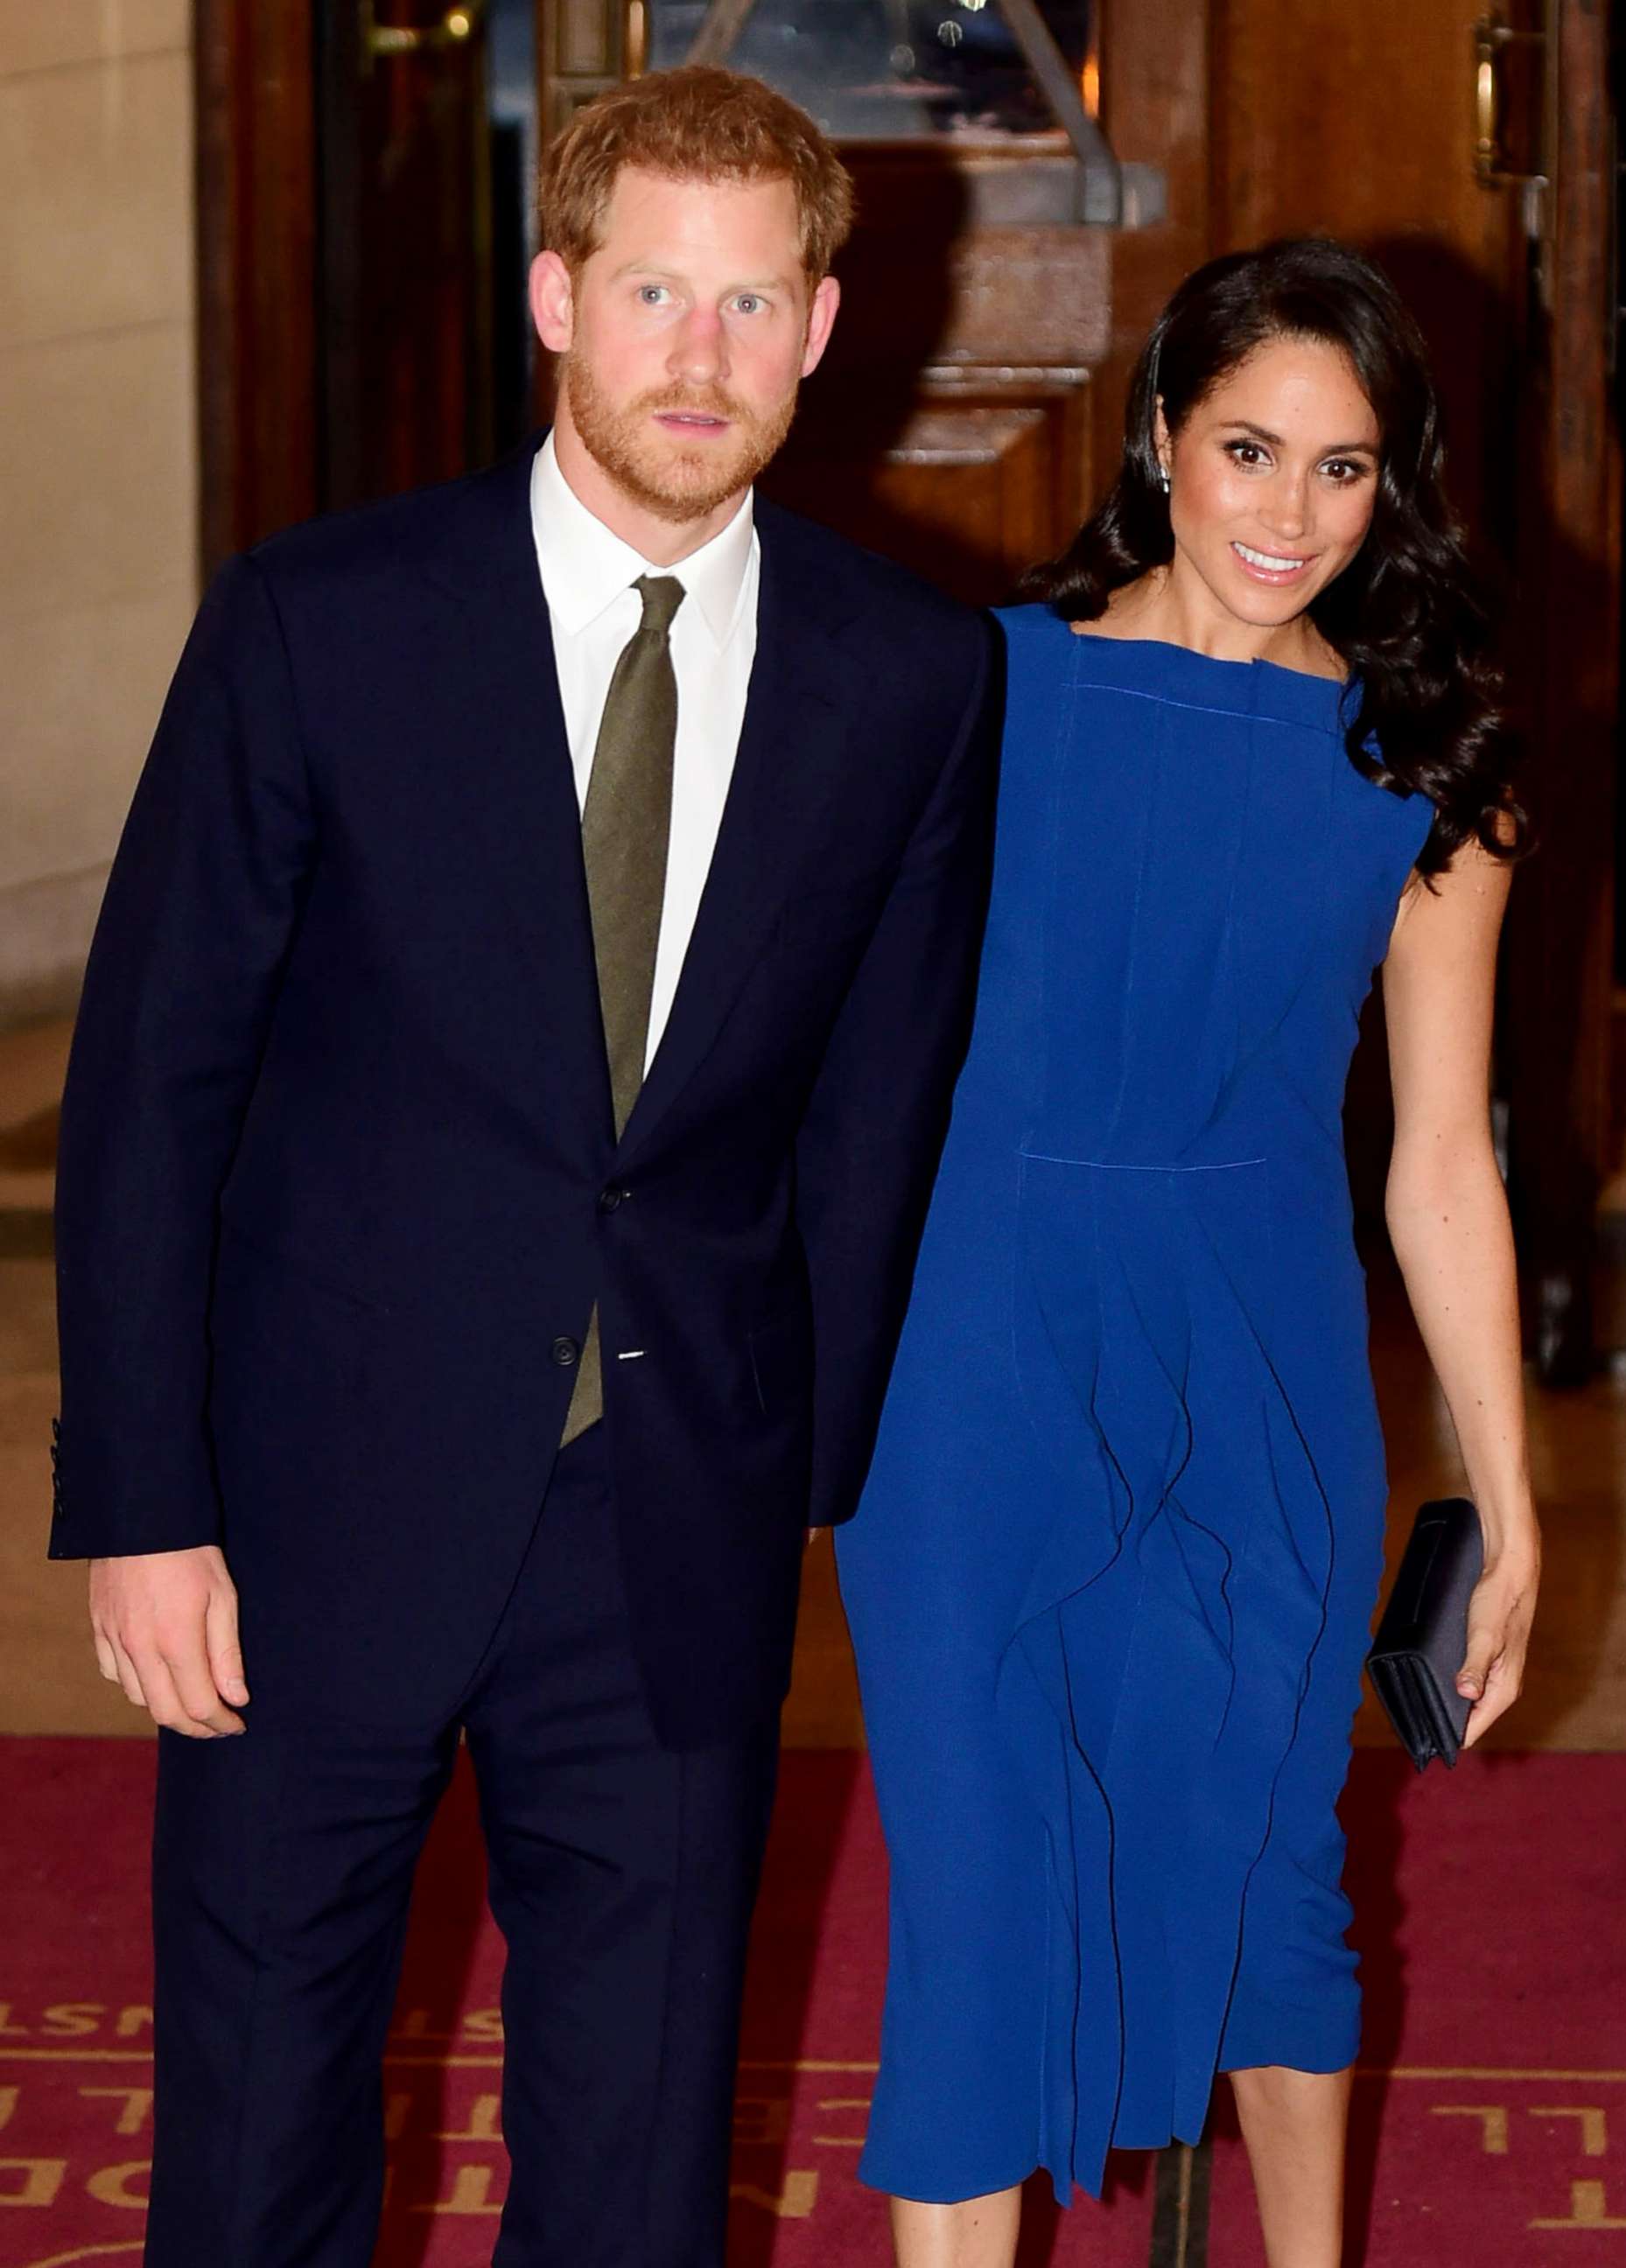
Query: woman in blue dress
[[1113, 1581]]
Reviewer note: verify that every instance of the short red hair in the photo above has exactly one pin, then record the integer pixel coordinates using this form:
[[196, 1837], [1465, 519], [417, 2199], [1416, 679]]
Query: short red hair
[[699, 124]]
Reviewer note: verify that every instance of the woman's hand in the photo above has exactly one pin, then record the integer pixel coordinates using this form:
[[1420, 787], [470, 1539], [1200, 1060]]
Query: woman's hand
[[1499, 1615]]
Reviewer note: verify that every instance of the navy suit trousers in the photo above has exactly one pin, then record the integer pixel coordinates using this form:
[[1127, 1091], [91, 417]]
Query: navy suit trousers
[[621, 1875]]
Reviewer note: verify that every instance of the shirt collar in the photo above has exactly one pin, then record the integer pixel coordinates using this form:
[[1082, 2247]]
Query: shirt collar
[[585, 566]]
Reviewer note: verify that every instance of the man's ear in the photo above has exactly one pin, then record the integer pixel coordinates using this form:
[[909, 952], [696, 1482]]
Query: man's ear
[[553, 302], [820, 318]]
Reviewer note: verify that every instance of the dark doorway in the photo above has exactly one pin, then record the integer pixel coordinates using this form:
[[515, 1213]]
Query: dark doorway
[[426, 151]]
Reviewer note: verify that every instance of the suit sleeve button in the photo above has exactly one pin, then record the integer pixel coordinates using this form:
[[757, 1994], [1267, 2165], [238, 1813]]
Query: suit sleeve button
[[566, 1353]]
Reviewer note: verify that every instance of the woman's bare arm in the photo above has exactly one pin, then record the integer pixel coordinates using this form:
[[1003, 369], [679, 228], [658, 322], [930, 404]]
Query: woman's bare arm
[[1448, 1217]]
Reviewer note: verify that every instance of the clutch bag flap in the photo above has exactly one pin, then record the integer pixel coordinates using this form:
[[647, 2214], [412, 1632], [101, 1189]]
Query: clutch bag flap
[[1423, 1636]]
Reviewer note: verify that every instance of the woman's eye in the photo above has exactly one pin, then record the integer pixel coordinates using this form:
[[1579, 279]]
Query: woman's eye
[[1345, 472], [1245, 452]]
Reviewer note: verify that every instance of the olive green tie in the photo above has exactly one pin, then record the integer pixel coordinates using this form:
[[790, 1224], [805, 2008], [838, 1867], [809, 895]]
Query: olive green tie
[[626, 828]]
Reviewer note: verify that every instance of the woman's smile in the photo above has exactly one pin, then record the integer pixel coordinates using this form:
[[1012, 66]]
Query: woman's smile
[[1270, 566]]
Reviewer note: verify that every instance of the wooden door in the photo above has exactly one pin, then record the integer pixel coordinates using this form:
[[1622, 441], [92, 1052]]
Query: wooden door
[[950, 426], [345, 255], [1367, 123], [404, 270], [258, 354], [1561, 1036], [1361, 123]]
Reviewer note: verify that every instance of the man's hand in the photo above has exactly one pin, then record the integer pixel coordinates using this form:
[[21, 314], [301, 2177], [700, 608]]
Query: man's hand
[[164, 1625]]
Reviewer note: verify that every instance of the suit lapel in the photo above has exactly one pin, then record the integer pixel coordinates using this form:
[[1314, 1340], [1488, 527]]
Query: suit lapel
[[783, 775], [516, 786]]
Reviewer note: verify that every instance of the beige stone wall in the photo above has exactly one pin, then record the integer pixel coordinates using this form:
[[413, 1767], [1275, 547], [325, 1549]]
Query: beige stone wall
[[98, 449]]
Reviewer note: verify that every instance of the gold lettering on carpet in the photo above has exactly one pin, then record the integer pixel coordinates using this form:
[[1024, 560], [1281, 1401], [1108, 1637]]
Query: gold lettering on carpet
[[1493, 2122], [1593, 2123], [75, 2055], [88, 2252], [484, 2122], [761, 2120], [471, 2193], [111, 2184], [794, 2202], [40, 2185], [813, 2063], [444, 2062], [1587, 2210], [843, 2103], [73, 2020], [1481, 2070], [81, 2069], [137, 2103]]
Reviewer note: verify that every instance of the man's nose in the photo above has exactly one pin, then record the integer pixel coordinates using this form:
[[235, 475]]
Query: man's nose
[[700, 350]]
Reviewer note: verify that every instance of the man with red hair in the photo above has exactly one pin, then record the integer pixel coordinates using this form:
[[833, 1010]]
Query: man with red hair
[[512, 1063]]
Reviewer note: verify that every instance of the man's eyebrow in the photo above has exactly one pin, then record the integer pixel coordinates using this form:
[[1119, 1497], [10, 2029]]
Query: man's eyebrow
[[1263, 433], [675, 275]]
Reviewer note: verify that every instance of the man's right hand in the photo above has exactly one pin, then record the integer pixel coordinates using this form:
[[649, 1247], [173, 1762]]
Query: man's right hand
[[166, 1628]]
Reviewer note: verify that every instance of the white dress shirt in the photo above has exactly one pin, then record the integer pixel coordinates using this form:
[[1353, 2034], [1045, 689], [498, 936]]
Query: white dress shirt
[[587, 579]]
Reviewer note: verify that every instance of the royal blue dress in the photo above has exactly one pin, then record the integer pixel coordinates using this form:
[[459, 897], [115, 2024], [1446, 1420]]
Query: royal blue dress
[[1111, 1584]]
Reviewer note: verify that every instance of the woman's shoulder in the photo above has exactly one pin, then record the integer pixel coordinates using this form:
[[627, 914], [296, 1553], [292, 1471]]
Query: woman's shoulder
[[1028, 626]]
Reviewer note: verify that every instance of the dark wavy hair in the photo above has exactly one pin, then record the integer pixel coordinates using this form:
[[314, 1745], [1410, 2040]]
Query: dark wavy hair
[[1405, 616]]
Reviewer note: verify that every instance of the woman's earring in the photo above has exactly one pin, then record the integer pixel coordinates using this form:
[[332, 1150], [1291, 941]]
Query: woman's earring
[[1164, 477]]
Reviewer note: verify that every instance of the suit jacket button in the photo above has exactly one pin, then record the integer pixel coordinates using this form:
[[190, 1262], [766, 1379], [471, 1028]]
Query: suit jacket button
[[612, 1198], [566, 1353]]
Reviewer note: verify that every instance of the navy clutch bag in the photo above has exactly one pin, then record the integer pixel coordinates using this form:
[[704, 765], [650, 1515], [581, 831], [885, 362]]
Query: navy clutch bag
[[1422, 1637]]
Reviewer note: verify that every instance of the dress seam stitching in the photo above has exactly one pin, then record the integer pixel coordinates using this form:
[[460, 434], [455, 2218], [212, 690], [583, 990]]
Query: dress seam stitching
[[1209, 709], [1112, 1166]]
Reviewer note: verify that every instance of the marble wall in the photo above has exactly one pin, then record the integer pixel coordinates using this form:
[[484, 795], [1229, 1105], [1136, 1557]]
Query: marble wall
[[98, 449]]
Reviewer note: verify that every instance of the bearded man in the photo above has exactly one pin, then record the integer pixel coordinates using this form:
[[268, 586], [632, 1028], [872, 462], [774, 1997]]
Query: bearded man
[[512, 1062]]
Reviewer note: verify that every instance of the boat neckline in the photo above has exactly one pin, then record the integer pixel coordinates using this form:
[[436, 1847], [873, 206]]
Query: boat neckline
[[1192, 653]]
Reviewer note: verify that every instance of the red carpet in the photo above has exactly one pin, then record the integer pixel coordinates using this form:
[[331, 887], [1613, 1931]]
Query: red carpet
[[1490, 2128]]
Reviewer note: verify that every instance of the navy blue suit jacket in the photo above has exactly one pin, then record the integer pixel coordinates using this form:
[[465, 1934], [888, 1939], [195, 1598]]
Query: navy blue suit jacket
[[339, 1182]]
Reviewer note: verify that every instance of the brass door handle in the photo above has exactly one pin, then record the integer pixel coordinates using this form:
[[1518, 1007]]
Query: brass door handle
[[456, 28], [1492, 39]]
